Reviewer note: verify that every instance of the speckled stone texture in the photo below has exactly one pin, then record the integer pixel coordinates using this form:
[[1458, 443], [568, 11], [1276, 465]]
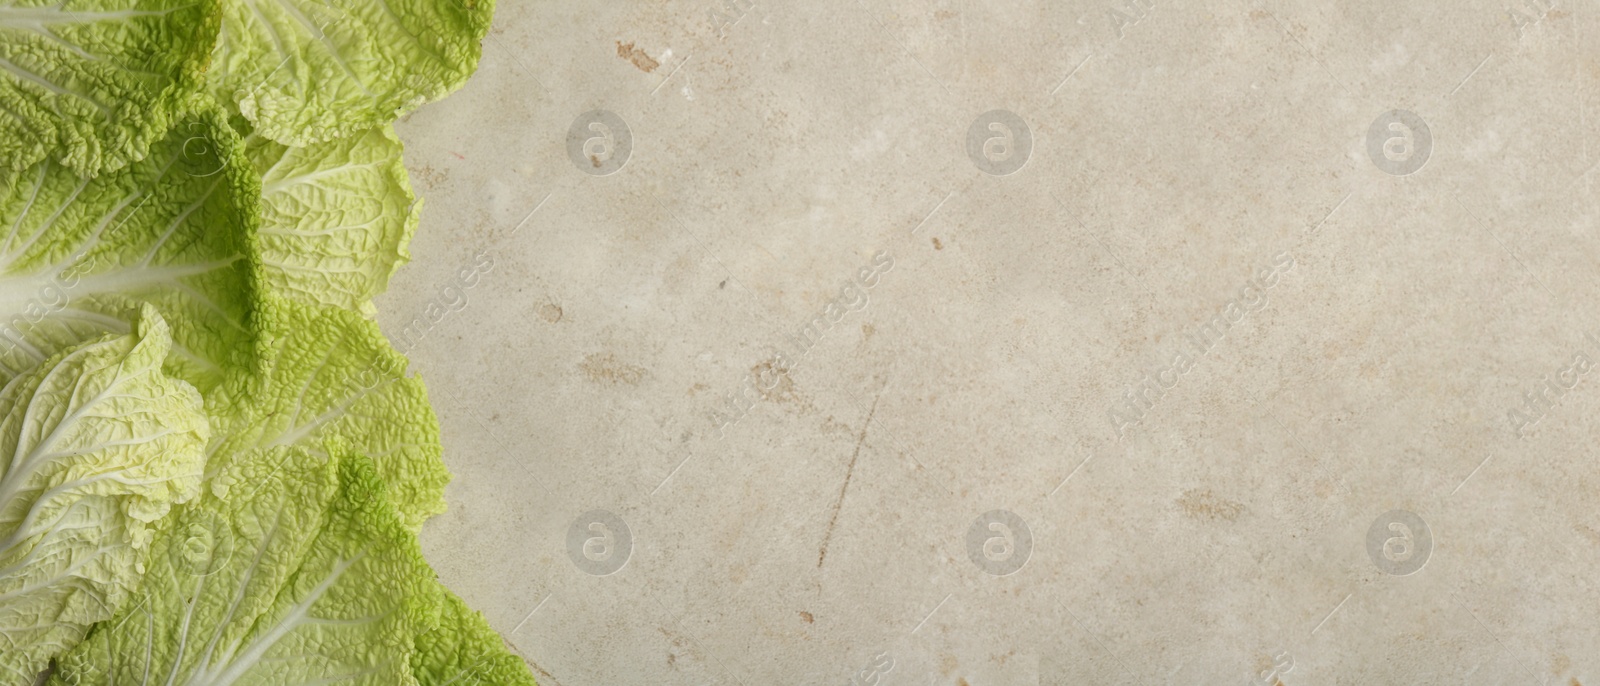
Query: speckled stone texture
[[988, 344]]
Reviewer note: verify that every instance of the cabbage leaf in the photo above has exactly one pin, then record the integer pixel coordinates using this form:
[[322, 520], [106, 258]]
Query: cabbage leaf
[[96, 446]]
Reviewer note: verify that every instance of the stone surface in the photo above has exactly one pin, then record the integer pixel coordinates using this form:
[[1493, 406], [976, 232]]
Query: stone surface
[[1398, 315]]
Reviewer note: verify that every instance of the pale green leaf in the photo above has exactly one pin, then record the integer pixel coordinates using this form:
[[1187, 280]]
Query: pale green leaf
[[95, 445], [335, 217], [306, 71], [94, 83], [464, 651], [304, 577], [328, 372], [173, 229]]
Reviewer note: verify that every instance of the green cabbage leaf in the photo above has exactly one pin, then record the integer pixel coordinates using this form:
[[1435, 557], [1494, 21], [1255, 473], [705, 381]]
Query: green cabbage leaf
[[93, 84], [96, 447]]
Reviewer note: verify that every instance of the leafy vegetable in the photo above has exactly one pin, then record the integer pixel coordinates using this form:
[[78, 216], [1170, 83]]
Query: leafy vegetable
[[93, 83], [306, 71], [100, 445], [217, 463], [463, 651], [329, 372], [77, 255], [306, 578], [335, 216]]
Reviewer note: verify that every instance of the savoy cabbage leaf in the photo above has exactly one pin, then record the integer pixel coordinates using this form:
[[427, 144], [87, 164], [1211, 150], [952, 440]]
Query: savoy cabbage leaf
[[305, 577], [462, 650], [328, 372], [335, 217], [218, 465], [77, 254], [96, 444], [94, 83], [307, 71]]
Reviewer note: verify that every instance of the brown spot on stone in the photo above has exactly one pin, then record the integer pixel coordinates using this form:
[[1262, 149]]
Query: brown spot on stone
[[429, 176], [937, 245], [1264, 664], [605, 367], [943, 15], [550, 312], [1205, 504], [867, 330], [697, 387], [773, 382], [962, 681], [679, 642], [722, 285], [638, 57], [806, 617], [594, 160], [1587, 532], [1259, 14]]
